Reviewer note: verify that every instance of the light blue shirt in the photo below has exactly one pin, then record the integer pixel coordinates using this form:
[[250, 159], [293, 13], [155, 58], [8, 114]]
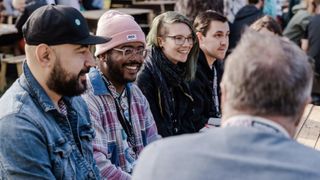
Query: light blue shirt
[[257, 150]]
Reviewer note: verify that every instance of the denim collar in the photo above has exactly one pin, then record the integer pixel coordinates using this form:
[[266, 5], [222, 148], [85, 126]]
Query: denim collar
[[28, 81], [98, 85]]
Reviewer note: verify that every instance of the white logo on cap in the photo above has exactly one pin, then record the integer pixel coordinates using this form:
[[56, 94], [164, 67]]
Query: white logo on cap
[[132, 37], [77, 21]]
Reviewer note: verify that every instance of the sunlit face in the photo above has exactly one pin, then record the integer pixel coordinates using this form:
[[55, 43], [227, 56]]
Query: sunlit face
[[67, 76], [215, 43], [170, 42], [122, 68]]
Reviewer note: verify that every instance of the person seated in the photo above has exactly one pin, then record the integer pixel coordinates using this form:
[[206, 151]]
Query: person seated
[[212, 31], [45, 128], [168, 69], [26, 8], [297, 26], [266, 86], [119, 111]]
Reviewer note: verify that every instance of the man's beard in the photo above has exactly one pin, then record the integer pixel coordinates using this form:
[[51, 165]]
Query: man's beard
[[116, 71], [64, 83]]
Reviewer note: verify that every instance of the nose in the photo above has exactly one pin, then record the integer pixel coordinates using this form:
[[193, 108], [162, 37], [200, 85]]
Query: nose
[[89, 61], [188, 43], [136, 58], [224, 41]]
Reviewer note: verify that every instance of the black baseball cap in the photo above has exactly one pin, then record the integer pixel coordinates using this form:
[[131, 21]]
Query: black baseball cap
[[58, 24]]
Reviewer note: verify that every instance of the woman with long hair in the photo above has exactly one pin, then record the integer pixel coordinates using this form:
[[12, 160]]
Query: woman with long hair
[[171, 64]]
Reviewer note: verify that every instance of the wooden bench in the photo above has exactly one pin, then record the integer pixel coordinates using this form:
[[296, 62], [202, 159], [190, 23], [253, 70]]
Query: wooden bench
[[143, 17], [7, 29], [158, 6], [17, 60], [308, 131]]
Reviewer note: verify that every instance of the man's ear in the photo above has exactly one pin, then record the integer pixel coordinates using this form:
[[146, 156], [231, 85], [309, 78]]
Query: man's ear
[[200, 36], [44, 55]]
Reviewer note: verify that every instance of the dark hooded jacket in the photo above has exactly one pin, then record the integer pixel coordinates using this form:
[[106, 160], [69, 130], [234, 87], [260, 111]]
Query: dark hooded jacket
[[28, 10], [202, 90], [245, 17]]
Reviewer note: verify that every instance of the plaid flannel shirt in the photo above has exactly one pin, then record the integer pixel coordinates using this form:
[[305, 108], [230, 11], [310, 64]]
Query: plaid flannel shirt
[[108, 145]]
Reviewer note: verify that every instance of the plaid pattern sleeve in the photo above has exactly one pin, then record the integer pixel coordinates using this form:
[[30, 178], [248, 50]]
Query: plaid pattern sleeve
[[103, 142], [146, 118], [109, 147]]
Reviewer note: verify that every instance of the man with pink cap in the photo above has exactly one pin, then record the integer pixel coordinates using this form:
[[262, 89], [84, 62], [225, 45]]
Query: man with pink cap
[[119, 111]]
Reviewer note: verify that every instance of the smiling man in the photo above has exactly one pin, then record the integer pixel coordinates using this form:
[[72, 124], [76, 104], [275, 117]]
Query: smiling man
[[45, 130], [119, 111], [213, 35]]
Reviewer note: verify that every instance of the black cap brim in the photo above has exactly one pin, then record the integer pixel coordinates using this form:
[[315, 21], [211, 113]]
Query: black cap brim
[[91, 40]]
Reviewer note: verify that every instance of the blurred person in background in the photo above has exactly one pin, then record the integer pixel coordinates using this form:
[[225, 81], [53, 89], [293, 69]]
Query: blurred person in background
[[245, 17], [191, 8], [92, 4], [267, 24], [9, 10], [297, 26], [231, 8], [26, 8], [313, 50]]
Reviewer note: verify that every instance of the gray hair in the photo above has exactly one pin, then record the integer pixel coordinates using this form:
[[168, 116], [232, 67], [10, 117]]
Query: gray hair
[[267, 75]]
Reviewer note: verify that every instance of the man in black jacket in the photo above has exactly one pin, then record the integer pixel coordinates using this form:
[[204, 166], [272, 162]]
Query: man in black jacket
[[213, 34], [245, 17], [26, 8], [26, 11], [313, 50], [314, 38]]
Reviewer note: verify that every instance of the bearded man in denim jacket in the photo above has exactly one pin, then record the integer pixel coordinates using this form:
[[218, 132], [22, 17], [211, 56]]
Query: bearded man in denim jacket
[[45, 129]]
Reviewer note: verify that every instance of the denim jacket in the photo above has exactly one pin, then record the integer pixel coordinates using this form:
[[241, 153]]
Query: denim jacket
[[37, 142]]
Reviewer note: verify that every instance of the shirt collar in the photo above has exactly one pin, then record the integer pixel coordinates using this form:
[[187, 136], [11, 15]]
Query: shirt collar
[[98, 85], [255, 121], [28, 81]]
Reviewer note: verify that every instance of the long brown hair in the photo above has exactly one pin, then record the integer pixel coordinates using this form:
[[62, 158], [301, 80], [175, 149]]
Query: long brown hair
[[158, 29]]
